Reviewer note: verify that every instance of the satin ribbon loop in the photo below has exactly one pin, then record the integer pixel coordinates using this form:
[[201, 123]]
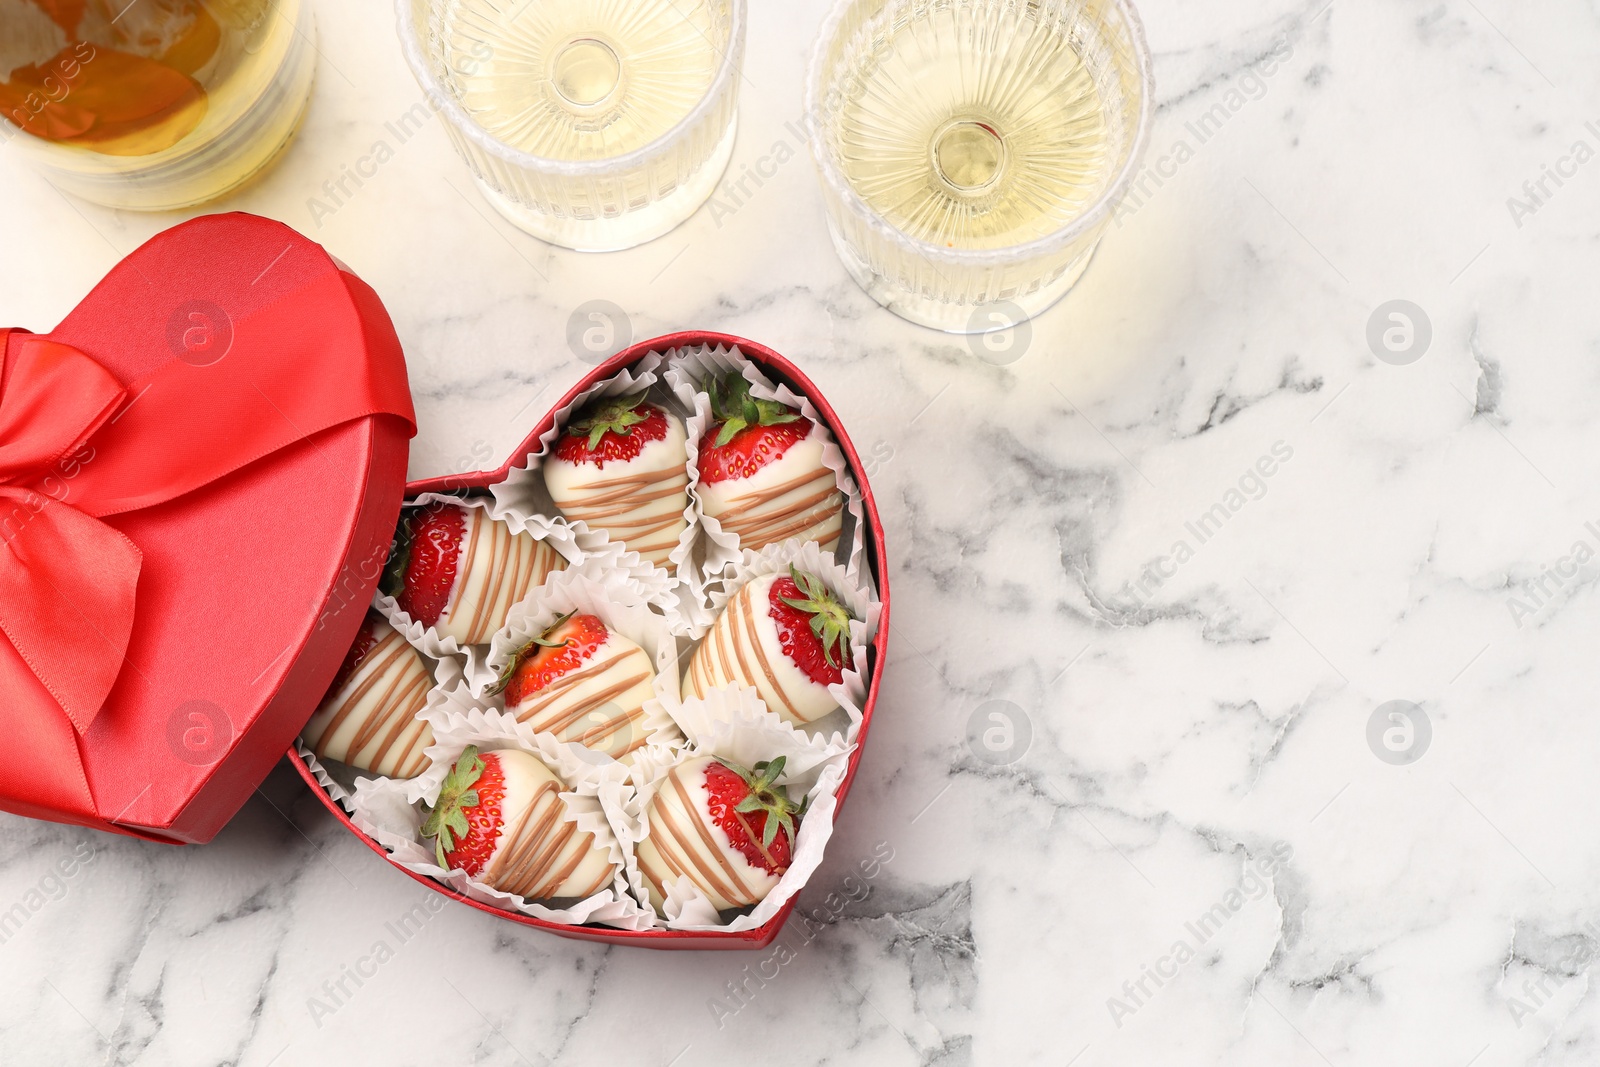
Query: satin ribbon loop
[[67, 580]]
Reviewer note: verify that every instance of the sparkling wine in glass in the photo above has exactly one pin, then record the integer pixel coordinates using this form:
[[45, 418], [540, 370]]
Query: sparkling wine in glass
[[595, 124], [972, 150]]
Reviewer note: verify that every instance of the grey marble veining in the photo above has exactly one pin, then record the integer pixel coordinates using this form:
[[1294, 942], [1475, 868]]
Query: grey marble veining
[[1199, 856]]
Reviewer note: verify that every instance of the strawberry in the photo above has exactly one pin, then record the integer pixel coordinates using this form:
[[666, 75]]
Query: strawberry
[[747, 807], [563, 647], [467, 820], [421, 572], [730, 831], [621, 466], [746, 434], [458, 571], [582, 682], [500, 817], [813, 627], [369, 718], [613, 429], [786, 636], [761, 471]]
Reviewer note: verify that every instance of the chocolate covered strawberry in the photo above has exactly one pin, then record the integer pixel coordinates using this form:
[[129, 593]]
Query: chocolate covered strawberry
[[786, 636], [621, 465], [501, 818], [761, 470], [583, 682], [459, 571], [370, 716], [731, 831]]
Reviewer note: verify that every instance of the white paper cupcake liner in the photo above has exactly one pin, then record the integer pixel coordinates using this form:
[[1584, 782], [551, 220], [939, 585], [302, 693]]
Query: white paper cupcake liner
[[686, 369], [393, 817], [523, 491], [746, 736], [725, 722], [624, 608], [573, 542]]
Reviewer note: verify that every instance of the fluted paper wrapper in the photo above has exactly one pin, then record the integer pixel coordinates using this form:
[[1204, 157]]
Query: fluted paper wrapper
[[392, 817]]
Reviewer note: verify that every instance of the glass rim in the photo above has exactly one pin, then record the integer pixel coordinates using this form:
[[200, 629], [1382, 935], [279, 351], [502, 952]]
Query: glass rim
[[1086, 220], [441, 100]]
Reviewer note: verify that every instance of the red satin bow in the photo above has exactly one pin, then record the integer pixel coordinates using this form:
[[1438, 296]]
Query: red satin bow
[[67, 580], [78, 446]]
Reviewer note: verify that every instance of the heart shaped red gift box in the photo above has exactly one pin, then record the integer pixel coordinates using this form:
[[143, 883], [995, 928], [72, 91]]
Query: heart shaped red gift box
[[197, 469], [780, 370]]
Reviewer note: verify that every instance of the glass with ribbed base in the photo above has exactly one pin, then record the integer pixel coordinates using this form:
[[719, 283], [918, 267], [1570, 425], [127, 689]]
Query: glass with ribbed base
[[592, 124], [971, 151]]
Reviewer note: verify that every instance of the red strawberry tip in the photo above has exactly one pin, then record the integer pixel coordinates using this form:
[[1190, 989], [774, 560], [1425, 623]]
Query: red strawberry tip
[[612, 414], [538, 641], [734, 409], [447, 820], [830, 620]]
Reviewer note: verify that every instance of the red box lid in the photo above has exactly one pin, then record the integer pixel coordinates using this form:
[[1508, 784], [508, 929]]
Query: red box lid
[[255, 456]]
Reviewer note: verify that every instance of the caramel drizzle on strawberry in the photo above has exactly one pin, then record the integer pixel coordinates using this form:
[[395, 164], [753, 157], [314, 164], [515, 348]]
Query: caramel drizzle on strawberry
[[491, 585], [535, 860], [403, 696], [528, 567], [598, 506], [675, 848], [725, 655], [744, 514], [552, 694]]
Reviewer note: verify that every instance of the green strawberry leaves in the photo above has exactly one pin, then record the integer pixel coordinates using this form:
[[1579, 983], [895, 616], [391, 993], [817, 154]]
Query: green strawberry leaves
[[447, 819], [610, 414], [765, 796], [544, 641], [830, 620], [735, 409]]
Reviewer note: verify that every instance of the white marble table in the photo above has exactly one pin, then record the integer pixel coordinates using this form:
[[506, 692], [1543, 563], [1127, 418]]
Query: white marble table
[[1196, 715]]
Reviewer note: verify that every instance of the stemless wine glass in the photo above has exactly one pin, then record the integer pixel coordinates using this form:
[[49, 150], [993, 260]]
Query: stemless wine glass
[[593, 124], [158, 104], [972, 151]]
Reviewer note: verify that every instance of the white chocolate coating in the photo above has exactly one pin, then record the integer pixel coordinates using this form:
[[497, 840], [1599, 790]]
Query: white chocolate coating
[[792, 496], [639, 502], [541, 853], [372, 722], [495, 569], [683, 840], [742, 647], [600, 705]]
